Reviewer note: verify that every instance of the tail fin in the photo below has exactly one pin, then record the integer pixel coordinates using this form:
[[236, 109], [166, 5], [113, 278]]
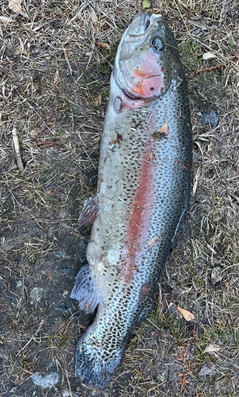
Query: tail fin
[[95, 364]]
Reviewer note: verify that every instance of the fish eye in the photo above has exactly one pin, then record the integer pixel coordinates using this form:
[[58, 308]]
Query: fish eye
[[158, 44]]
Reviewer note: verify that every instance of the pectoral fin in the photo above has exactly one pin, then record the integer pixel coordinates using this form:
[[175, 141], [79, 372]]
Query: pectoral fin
[[85, 290], [90, 211]]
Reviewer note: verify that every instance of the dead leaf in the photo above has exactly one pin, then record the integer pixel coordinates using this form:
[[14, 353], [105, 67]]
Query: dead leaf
[[188, 316], [211, 348], [15, 5], [164, 129], [35, 132], [119, 139], [92, 17], [207, 369], [152, 242], [146, 4], [98, 100], [57, 78], [150, 156], [4, 20], [106, 46], [161, 133], [208, 55]]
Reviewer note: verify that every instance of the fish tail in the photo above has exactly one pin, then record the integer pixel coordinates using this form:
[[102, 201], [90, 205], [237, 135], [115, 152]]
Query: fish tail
[[95, 364]]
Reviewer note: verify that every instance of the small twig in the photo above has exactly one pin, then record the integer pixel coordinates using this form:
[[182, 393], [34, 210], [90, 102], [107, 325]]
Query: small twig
[[186, 6], [44, 144], [24, 347], [154, 325], [16, 145], [156, 386], [67, 59], [205, 70], [28, 372]]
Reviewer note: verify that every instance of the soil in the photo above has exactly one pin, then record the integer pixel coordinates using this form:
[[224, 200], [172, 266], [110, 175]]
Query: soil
[[55, 64]]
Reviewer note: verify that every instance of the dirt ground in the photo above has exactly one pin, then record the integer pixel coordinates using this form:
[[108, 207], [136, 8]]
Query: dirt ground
[[54, 85]]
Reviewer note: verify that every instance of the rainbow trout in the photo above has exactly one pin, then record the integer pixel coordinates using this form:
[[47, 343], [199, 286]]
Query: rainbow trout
[[142, 195]]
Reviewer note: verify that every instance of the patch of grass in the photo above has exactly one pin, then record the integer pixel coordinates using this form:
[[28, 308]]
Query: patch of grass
[[231, 46], [190, 53]]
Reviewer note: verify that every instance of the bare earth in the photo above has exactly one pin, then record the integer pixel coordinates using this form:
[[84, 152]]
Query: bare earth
[[55, 63]]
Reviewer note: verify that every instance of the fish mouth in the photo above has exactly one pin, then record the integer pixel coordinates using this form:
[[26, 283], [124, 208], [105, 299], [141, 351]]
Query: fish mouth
[[148, 21], [141, 24], [145, 20], [131, 96]]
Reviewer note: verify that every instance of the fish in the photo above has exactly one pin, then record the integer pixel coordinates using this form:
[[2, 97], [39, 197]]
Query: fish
[[142, 198]]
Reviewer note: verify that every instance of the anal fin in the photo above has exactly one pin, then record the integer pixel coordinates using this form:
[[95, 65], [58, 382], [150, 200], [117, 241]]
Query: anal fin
[[90, 211], [85, 290]]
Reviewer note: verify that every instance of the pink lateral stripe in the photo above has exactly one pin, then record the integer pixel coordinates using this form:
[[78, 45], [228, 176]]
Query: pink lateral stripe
[[139, 219]]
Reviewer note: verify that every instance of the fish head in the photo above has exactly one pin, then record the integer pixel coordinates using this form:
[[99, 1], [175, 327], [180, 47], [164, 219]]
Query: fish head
[[147, 59]]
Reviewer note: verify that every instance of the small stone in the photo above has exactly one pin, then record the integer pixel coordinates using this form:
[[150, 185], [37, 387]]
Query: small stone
[[196, 32], [216, 275], [210, 118], [19, 284], [65, 270], [35, 295], [208, 369], [61, 255], [208, 55], [176, 315], [35, 132], [46, 381], [50, 232], [66, 393]]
